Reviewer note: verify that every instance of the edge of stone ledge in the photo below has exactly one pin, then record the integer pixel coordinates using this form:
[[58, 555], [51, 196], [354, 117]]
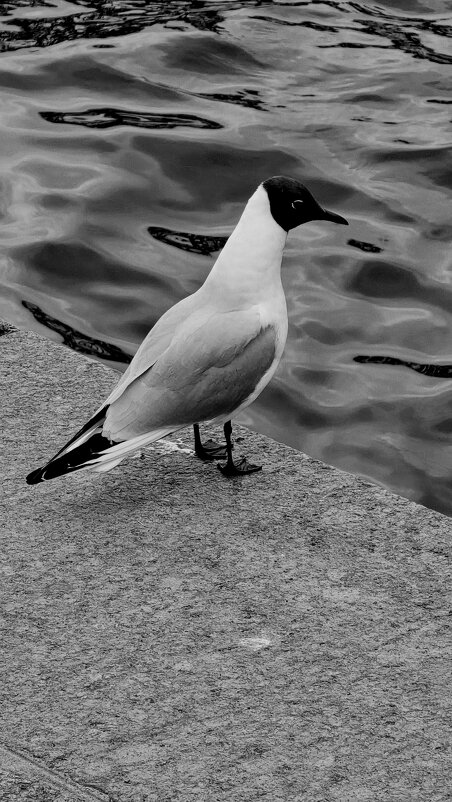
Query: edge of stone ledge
[[6, 328], [181, 441]]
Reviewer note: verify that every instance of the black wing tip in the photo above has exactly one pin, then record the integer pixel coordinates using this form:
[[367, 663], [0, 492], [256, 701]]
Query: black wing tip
[[74, 460], [63, 463], [59, 467], [35, 477]]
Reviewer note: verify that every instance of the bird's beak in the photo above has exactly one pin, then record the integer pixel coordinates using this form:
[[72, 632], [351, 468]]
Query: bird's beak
[[333, 218]]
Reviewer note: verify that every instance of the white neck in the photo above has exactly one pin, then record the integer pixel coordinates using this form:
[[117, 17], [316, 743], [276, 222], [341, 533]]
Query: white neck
[[250, 263]]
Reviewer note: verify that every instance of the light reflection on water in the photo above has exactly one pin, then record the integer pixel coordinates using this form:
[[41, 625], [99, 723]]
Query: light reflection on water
[[131, 140]]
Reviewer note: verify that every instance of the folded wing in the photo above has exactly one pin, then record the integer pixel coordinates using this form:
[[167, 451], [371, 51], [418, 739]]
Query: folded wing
[[211, 366]]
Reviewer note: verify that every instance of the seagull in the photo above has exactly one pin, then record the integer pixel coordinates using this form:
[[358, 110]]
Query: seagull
[[211, 354]]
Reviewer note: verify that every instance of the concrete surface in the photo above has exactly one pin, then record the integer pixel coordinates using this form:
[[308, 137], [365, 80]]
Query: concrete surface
[[169, 634]]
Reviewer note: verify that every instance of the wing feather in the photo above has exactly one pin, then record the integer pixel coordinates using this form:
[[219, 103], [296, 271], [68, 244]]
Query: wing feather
[[154, 344], [209, 369]]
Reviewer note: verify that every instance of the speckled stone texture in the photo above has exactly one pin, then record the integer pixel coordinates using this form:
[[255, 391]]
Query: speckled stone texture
[[170, 634]]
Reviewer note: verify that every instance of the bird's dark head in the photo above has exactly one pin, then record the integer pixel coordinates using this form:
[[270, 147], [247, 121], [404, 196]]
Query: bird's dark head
[[291, 203]]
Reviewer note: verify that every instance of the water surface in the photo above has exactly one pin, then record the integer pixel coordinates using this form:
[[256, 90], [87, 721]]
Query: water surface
[[132, 134]]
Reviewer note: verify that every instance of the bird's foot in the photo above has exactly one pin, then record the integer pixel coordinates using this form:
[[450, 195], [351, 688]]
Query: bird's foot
[[239, 468], [211, 450]]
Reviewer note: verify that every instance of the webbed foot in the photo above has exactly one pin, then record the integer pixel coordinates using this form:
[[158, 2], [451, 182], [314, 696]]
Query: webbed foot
[[240, 468], [211, 450]]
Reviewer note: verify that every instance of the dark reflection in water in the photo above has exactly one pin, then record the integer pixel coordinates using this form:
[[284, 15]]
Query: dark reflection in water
[[129, 127], [100, 20], [245, 97], [109, 118], [196, 243], [76, 340], [314, 26], [439, 371], [405, 40], [367, 247]]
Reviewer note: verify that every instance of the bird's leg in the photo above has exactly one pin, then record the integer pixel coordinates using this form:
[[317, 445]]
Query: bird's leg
[[208, 450], [242, 466]]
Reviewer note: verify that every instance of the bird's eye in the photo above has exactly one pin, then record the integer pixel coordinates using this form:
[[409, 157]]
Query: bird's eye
[[297, 201]]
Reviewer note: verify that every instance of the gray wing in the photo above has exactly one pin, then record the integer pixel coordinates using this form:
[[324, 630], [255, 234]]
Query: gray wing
[[210, 368], [155, 343]]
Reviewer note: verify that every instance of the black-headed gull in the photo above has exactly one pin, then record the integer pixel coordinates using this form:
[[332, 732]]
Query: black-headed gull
[[210, 355]]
